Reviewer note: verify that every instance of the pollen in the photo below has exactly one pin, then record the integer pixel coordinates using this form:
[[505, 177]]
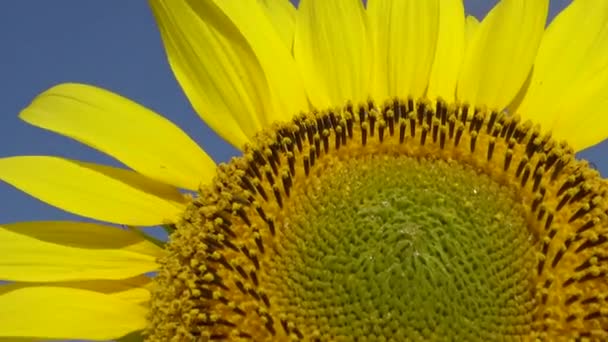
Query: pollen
[[411, 220]]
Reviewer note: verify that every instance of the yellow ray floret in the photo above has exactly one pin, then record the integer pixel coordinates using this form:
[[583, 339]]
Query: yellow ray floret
[[232, 71], [65, 313], [405, 39], [570, 74], [282, 14], [501, 53], [449, 51], [95, 191], [143, 140], [63, 251], [332, 51]]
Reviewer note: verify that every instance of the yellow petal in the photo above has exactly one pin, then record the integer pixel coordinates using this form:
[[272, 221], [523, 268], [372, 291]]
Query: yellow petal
[[287, 96], [332, 51], [470, 28], [405, 37], [449, 51], [215, 68], [567, 77], [143, 140], [60, 251], [135, 290], [99, 192], [231, 63], [134, 295], [282, 15], [63, 313], [582, 120], [86, 235], [501, 53]]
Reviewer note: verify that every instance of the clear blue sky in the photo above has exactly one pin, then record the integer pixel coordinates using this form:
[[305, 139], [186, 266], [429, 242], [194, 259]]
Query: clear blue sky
[[113, 44]]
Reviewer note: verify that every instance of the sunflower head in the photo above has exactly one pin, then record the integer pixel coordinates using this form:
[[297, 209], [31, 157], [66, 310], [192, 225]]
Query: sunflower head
[[412, 220], [428, 189]]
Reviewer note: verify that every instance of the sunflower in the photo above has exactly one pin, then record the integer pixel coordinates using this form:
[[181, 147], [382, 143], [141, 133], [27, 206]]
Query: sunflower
[[406, 173]]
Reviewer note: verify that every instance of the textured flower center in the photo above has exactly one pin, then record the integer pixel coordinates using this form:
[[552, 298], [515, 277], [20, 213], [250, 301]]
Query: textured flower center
[[395, 246], [413, 220]]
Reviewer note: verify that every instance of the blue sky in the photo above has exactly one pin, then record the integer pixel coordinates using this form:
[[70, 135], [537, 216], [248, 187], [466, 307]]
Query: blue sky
[[112, 44]]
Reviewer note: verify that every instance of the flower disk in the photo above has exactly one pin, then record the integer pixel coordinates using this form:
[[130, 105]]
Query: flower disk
[[412, 220]]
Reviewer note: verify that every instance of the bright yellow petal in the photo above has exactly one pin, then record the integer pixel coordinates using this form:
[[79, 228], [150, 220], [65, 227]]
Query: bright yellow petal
[[582, 119], [332, 51], [143, 140], [567, 77], [61, 251], [405, 37], [99, 192], [502, 52], [135, 290], [282, 15], [231, 63], [287, 96], [470, 28], [135, 295], [85, 235], [63, 313], [449, 51], [215, 68]]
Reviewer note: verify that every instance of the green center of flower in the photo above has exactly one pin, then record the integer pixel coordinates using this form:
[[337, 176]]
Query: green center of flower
[[402, 247]]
